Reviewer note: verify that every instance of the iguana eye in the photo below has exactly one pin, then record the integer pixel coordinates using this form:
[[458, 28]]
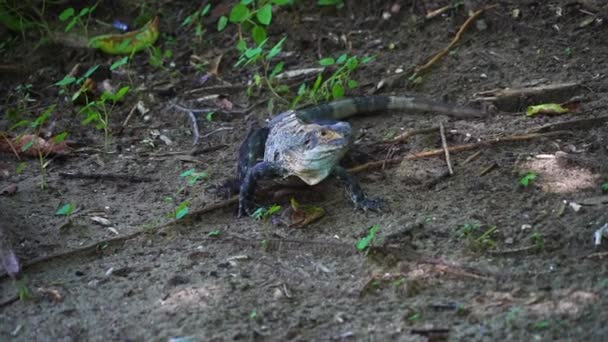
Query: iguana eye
[[323, 133]]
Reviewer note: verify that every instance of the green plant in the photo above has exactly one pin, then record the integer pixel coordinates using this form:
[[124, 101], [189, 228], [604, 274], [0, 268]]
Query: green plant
[[335, 86], [263, 57], [479, 239], [527, 178], [513, 314], [262, 213], [196, 19], [192, 176], [252, 16], [69, 80], [538, 240], [65, 210], [157, 57], [28, 138], [367, 240], [22, 289], [180, 211], [98, 111], [337, 3], [82, 18], [604, 187], [542, 324]]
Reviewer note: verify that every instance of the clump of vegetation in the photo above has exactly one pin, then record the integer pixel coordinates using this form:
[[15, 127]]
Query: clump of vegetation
[[527, 178], [365, 242], [478, 238], [335, 86], [263, 214]]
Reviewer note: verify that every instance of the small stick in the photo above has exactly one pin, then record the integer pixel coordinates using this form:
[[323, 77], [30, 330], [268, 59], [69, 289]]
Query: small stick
[[127, 119], [488, 169], [572, 124], [453, 149], [446, 151], [106, 176], [190, 112], [406, 135], [457, 37], [471, 157], [195, 132]]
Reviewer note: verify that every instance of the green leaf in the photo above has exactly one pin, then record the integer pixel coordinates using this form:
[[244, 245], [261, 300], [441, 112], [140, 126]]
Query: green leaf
[[352, 63], [20, 167], [182, 210], [246, 2], [27, 146], [317, 83], [258, 33], [187, 173], [20, 124], [120, 94], [239, 13], [264, 14], [327, 61], [205, 10], [65, 210], [186, 21], [241, 45], [528, 178], [66, 14], [60, 137], [71, 24], [214, 233], [302, 89], [209, 116], [277, 69], [250, 53], [365, 241], [67, 80], [351, 84], [119, 63], [337, 91], [604, 187], [221, 23], [546, 108], [84, 12], [275, 49], [281, 2], [342, 58]]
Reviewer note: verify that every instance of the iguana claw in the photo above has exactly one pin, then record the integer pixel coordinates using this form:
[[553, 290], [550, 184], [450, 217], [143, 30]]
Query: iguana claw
[[372, 204]]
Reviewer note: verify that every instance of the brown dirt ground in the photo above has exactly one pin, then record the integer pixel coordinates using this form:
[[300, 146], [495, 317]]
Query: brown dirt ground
[[538, 277]]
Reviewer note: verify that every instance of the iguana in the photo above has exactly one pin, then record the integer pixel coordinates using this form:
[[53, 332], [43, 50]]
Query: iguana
[[309, 143]]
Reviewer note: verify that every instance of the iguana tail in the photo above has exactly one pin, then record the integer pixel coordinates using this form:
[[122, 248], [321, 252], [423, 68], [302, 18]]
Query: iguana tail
[[342, 109]]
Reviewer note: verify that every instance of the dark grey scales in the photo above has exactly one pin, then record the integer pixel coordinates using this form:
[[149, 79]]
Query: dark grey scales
[[309, 143]]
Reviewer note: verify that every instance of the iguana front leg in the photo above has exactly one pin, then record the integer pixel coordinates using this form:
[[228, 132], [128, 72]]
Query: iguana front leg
[[356, 193], [247, 191]]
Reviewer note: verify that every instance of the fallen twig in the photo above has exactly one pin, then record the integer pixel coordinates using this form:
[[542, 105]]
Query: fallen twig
[[406, 135], [513, 99], [127, 119], [571, 124], [107, 176], [453, 149], [422, 69], [444, 145]]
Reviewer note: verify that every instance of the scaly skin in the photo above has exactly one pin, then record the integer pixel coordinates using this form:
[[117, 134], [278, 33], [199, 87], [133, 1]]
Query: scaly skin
[[309, 143]]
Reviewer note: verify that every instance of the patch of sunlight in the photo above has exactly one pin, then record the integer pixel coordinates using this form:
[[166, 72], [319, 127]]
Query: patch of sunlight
[[189, 297], [557, 175]]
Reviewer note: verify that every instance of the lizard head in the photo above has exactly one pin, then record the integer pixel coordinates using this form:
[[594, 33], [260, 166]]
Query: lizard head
[[320, 150]]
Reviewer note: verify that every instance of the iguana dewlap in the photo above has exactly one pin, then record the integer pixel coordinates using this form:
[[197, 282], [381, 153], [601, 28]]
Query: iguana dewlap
[[309, 143]]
